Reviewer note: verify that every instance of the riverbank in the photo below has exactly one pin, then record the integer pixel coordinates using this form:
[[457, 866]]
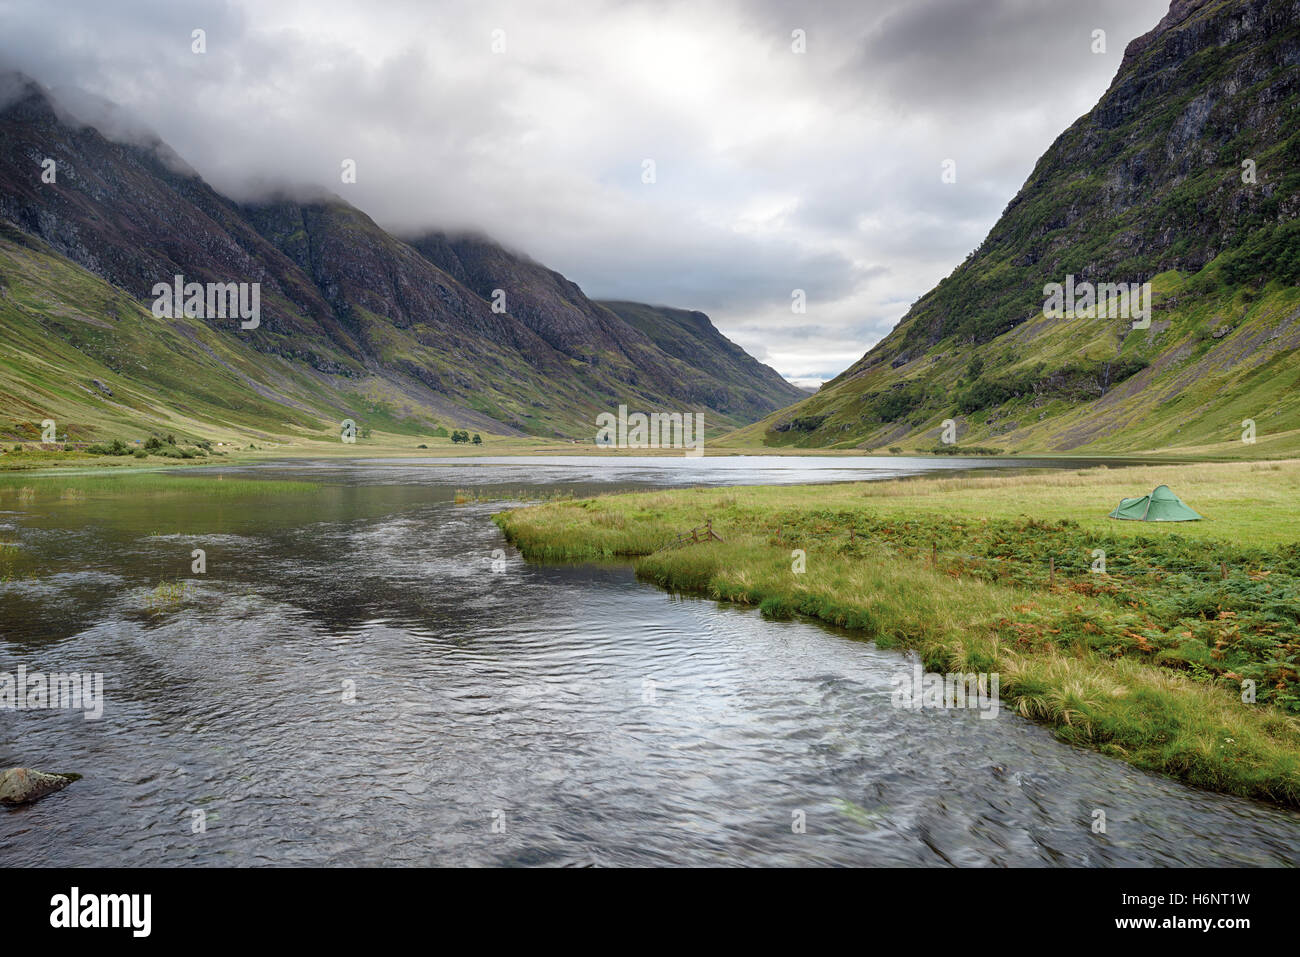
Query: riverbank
[[1145, 660], [20, 455]]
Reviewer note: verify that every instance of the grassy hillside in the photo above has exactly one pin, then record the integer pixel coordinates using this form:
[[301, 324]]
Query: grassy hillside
[[84, 353], [87, 355], [1186, 175], [1214, 357]]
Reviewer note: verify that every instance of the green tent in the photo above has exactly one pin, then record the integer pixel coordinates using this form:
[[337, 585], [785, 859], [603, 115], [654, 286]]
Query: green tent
[[1162, 505]]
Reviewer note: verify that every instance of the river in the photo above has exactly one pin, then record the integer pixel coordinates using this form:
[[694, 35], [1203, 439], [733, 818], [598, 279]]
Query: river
[[368, 675]]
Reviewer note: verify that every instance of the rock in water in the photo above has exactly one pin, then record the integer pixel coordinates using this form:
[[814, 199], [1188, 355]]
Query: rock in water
[[21, 785]]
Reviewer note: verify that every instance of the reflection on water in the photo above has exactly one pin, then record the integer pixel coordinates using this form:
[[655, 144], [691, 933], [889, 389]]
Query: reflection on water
[[668, 470], [589, 718]]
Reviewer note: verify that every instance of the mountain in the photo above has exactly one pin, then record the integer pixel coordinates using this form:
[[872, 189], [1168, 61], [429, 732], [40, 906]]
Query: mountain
[[730, 378], [354, 322], [681, 348], [1186, 175]]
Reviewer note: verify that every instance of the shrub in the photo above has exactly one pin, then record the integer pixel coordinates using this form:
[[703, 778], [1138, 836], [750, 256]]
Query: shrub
[[899, 402], [987, 392], [964, 450], [175, 452], [803, 423], [1075, 380]]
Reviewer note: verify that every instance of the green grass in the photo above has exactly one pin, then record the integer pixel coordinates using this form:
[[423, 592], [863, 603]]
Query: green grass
[[8, 556], [166, 596], [30, 486], [465, 496], [1144, 663]]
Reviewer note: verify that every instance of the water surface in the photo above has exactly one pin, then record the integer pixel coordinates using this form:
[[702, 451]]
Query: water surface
[[506, 712]]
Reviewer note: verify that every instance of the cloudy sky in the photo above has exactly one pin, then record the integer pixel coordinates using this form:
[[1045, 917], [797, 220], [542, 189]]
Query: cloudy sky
[[533, 120]]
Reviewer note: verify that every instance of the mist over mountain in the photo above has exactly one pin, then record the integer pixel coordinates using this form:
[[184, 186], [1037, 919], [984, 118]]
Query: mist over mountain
[[354, 322]]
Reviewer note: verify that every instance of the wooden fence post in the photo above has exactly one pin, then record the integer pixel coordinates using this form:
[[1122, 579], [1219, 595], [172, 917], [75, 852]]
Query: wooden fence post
[[1223, 570]]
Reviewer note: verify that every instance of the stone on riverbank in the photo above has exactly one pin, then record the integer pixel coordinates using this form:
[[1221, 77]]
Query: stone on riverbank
[[22, 785]]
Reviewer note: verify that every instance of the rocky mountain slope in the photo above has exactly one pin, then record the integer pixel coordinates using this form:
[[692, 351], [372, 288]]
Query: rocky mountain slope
[[729, 378], [1186, 175], [401, 336]]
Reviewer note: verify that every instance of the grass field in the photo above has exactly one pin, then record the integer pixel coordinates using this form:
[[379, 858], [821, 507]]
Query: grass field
[[36, 486], [1147, 660]]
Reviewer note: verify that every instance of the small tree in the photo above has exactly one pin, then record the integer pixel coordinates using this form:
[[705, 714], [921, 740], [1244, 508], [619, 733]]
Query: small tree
[[478, 439]]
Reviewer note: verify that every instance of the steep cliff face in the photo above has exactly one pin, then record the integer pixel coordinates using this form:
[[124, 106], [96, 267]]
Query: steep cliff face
[[546, 302], [1186, 174], [360, 311]]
